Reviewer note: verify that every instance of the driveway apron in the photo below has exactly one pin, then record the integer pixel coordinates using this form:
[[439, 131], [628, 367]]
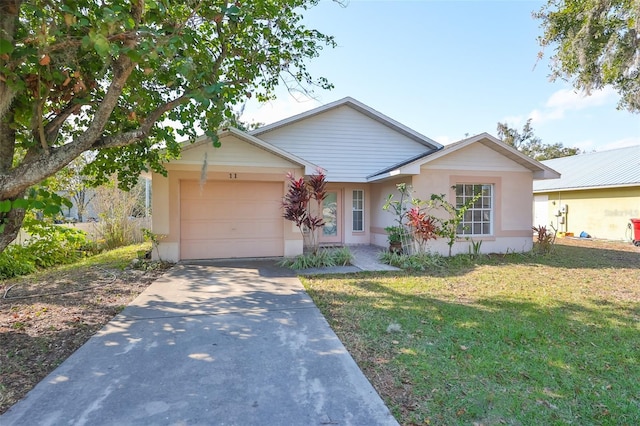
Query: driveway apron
[[210, 343]]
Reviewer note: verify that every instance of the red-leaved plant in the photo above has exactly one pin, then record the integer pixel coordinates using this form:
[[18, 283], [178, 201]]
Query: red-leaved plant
[[297, 205], [424, 227]]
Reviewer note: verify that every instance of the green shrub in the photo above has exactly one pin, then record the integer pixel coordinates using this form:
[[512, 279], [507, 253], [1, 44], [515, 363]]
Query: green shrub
[[415, 262], [49, 245], [545, 239], [341, 256], [52, 245], [323, 258], [16, 260]]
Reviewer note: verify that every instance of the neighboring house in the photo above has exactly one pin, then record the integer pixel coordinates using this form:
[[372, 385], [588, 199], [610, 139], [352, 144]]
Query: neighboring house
[[226, 202], [597, 194]]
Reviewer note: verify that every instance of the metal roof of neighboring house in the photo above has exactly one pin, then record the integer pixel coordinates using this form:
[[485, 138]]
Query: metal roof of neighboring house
[[605, 169]]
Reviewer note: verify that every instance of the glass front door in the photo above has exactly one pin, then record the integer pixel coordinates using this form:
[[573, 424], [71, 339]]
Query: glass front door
[[331, 232]]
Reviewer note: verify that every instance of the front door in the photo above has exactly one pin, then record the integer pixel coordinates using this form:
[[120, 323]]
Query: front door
[[331, 212]]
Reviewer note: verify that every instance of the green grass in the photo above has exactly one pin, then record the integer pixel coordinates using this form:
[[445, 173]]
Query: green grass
[[118, 258], [514, 339]]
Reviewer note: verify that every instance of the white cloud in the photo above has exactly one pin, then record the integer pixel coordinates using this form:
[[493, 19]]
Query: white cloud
[[590, 145], [564, 100], [567, 99], [585, 145], [540, 116]]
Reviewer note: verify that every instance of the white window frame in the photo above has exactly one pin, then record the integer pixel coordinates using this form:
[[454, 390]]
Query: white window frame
[[478, 219], [355, 209]]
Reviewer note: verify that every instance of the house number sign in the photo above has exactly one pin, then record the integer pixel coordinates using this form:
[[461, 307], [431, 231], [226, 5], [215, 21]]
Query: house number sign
[[233, 176]]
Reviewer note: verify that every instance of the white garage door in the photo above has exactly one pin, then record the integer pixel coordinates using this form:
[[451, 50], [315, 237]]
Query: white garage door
[[231, 219]]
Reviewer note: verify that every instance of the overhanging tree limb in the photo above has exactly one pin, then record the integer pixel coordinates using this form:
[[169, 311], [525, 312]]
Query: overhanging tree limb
[[107, 77]]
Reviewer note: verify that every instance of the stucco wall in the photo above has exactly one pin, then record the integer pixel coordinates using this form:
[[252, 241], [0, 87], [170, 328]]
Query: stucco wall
[[475, 164], [223, 165], [380, 219], [602, 213], [512, 214]]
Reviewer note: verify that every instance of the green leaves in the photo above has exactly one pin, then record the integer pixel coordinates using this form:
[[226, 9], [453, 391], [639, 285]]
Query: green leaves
[[5, 206], [595, 44], [5, 46], [101, 45], [47, 202]]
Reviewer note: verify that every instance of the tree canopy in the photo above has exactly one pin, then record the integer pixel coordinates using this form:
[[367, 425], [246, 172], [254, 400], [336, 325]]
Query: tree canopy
[[596, 43], [530, 144], [109, 77]]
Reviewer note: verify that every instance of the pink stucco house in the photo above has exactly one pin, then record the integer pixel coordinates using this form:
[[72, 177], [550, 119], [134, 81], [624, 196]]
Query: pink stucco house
[[237, 211]]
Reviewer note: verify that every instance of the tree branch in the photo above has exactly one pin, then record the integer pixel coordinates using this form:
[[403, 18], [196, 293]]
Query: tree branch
[[54, 125], [127, 138], [36, 167]]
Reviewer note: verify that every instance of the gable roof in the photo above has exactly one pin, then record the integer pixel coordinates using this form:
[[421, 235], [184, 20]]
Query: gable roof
[[605, 169], [309, 168], [412, 166], [358, 106]]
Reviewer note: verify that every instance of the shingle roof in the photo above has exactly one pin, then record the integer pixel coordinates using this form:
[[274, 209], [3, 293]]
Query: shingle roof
[[605, 169]]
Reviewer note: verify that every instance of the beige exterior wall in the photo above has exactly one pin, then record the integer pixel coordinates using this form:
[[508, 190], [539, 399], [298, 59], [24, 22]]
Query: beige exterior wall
[[166, 191], [602, 213], [476, 164], [512, 214], [380, 219]]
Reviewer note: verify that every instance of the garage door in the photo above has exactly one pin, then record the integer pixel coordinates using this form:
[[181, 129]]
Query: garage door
[[231, 219]]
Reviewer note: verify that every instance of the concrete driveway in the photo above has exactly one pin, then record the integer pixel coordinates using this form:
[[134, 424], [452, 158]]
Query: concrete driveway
[[233, 343]]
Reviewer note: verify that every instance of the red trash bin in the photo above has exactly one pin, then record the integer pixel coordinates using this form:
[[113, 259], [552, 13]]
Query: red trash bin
[[635, 224]]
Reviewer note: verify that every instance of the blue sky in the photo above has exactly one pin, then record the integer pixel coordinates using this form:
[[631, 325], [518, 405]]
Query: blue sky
[[450, 68]]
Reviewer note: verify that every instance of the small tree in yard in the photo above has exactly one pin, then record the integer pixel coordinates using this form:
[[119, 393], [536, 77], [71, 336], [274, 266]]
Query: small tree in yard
[[399, 233], [299, 209], [449, 226]]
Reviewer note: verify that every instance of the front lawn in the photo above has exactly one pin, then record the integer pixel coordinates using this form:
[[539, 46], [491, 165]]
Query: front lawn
[[513, 339]]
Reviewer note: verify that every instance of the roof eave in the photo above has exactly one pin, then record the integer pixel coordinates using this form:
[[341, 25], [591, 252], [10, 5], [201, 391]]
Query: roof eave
[[392, 174]]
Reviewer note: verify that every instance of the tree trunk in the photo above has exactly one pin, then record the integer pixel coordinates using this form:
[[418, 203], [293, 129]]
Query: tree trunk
[[10, 223]]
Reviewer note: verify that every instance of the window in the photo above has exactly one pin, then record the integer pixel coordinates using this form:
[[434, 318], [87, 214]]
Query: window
[[358, 210], [478, 219]]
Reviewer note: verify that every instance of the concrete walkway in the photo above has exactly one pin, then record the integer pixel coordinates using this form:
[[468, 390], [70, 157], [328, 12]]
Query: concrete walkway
[[215, 343]]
